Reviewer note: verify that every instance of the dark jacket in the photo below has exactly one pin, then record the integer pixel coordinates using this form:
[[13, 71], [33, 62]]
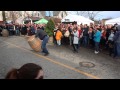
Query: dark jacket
[[32, 30], [85, 32], [42, 28], [24, 30], [41, 34], [117, 35], [70, 31], [108, 31]]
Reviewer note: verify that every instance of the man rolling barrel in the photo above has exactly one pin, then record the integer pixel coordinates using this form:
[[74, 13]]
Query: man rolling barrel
[[43, 36]]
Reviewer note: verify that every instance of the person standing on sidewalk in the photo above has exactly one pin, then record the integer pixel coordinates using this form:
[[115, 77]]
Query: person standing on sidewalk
[[42, 35], [97, 37]]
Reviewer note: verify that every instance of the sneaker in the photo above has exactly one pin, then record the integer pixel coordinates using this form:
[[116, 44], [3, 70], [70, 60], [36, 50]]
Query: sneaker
[[96, 52]]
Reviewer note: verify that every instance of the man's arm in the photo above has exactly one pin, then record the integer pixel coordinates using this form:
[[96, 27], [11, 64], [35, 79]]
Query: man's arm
[[37, 34]]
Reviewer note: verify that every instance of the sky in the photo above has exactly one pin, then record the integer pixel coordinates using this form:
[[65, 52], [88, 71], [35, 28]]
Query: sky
[[49, 13], [106, 14], [100, 16]]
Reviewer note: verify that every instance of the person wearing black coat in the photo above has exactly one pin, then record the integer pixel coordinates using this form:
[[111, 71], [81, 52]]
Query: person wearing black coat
[[42, 35], [116, 39], [24, 30]]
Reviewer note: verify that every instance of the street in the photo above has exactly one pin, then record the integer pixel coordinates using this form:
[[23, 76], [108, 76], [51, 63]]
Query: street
[[62, 63]]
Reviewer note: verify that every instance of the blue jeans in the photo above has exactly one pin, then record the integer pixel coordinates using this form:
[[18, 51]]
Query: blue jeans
[[79, 42], [97, 46], [17, 32], [85, 41], [70, 40], [116, 49], [44, 42], [75, 47]]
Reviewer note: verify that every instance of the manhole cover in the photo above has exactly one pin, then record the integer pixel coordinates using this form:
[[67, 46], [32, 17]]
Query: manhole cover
[[87, 64]]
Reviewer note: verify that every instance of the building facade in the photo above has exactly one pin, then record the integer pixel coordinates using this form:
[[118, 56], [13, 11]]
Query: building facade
[[15, 15], [1, 17]]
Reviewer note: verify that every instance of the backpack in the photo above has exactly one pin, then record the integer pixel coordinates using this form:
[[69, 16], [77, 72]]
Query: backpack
[[67, 33]]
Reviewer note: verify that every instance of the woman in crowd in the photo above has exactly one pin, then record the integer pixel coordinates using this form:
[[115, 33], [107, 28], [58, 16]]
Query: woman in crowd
[[66, 36], [58, 37], [103, 38], [75, 39], [97, 37], [91, 34]]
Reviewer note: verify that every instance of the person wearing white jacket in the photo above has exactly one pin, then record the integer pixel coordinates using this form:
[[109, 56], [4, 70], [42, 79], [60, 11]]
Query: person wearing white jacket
[[75, 40]]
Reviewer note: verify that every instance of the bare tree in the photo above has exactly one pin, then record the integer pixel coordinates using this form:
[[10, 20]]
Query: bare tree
[[13, 16], [3, 15], [20, 13], [90, 14], [82, 13]]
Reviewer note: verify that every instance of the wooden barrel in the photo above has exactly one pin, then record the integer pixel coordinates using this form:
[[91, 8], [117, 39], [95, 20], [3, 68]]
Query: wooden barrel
[[5, 33], [35, 43]]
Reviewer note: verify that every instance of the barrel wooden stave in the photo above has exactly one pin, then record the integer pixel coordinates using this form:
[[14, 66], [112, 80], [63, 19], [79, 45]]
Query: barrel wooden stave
[[5, 33], [35, 43]]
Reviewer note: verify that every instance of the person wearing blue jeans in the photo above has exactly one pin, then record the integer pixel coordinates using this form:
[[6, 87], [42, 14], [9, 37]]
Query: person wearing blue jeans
[[97, 37], [85, 41], [43, 36], [85, 36], [96, 47], [17, 32], [44, 42]]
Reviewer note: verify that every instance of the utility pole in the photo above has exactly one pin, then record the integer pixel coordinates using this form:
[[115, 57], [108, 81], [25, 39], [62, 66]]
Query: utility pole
[[49, 13]]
